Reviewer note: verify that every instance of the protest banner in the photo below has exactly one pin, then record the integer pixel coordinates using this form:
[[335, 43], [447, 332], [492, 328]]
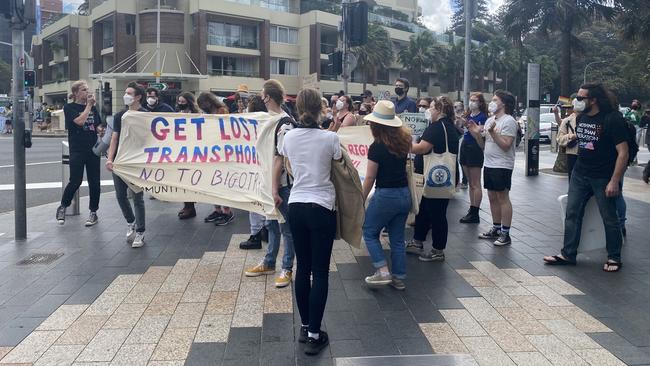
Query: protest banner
[[356, 140], [219, 159], [416, 122]]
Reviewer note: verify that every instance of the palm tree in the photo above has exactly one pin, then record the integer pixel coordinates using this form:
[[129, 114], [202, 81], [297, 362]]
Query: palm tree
[[376, 54], [635, 21], [453, 66], [552, 16], [83, 8], [496, 57], [422, 53], [481, 67]]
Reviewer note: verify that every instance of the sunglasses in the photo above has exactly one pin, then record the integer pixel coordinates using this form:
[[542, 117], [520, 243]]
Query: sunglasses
[[580, 99]]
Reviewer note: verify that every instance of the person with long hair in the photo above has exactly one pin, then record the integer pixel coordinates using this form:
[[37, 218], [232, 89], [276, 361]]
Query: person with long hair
[[134, 96], [343, 116], [186, 103], [497, 140], [83, 123], [439, 136], [209, 103], [312, 219], [471, 157], [391, 202]]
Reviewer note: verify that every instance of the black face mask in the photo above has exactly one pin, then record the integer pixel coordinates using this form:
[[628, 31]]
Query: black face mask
[[399, 91], [181, 107], [363, 113]]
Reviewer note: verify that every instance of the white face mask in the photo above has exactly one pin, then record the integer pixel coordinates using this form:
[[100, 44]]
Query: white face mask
[[128, 100], [339, 104], [152, 101], [427, 114], [329, 115], [579, 105], [473, 106], [422, 110], [493, 107]]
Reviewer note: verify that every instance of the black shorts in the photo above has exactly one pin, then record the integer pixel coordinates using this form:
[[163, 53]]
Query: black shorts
[[497, 179], [471, 154]]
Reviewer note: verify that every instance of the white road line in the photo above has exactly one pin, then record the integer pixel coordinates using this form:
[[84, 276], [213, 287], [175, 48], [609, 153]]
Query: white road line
[[47, 185], [31, 164]]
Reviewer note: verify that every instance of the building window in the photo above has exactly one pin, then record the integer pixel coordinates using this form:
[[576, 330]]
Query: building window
[[233, 66], [277, 5], [130, 26], [281, 66], [232, 35], [284, 35], [107, 34]]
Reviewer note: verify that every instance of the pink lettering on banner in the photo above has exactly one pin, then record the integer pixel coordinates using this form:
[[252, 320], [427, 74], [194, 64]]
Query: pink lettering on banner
[[222, 129], [159, 134], [361, 150], [179, 129]]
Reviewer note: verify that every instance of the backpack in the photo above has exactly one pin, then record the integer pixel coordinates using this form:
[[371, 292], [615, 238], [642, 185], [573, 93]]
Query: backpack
[[630, 136]]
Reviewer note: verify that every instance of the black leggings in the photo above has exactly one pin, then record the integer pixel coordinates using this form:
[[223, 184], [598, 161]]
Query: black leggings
[[422, 224], [570, 163], [435, 212], [313, 228], [79, 160]]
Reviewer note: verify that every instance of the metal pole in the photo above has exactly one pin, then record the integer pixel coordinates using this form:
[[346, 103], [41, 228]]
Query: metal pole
[[468, 47], [584, 76], [18, 120], [157, 44], [346, 63], [531, 144]]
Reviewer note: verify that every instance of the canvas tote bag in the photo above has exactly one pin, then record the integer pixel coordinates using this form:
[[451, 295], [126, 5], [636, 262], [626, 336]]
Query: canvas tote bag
[[440, 173]]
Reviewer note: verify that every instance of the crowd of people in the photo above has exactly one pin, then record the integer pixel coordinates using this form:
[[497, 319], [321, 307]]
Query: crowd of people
[[479, 138]]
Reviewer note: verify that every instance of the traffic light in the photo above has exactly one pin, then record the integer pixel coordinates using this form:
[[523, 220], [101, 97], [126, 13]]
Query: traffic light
[[336, 62], [30, 78], [356, 23]]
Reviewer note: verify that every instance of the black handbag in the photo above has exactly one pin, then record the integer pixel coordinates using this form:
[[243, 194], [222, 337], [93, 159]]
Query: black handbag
[[571, 144]]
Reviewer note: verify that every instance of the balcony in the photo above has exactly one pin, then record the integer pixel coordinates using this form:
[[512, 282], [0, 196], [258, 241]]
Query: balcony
[[395, 23], [237, 42], [275, 5], [238, 73], [321, 5], [327, 48]]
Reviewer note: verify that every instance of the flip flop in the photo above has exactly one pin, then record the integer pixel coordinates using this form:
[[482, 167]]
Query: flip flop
[[559, 261], [618, 265]]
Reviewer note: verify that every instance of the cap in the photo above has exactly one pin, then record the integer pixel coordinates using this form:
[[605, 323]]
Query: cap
[[366, 93]]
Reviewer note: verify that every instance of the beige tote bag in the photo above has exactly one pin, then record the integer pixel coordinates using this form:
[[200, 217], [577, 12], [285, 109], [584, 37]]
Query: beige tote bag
[[440, 173]]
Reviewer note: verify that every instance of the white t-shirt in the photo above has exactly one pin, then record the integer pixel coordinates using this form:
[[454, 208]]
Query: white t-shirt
[[495, 157], [310, 152]]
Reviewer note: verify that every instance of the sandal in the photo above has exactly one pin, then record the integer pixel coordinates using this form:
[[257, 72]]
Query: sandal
[[610, 264], [559, 261]]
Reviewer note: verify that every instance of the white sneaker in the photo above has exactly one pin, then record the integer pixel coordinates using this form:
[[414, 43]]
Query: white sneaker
[[138, 241], [130, 233]]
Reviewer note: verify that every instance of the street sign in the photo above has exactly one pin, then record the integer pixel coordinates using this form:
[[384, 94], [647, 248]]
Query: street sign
[[311, 81], [384, 95], [159, 86]]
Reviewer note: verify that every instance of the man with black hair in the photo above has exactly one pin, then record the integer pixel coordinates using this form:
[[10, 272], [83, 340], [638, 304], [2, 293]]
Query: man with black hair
[[154, 104], [601, 164], [403, 103]]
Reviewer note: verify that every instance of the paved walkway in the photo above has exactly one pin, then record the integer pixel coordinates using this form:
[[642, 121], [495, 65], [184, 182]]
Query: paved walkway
[[183, 298]]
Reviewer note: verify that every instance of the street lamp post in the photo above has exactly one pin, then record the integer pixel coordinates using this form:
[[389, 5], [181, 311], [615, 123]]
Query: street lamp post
[[584, 77]]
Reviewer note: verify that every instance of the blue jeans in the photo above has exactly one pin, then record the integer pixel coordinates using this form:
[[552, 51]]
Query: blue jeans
[[621, 207], [581, 189], [389, 208], [121, 193], [275, 229], [256, 222]]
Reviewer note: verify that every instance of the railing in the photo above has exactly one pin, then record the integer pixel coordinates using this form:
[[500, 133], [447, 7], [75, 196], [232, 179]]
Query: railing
[[327, 48], [322, 5], [107, 43], [226, 41], [270, 4], [329, 77], [394, 23], [239, 73]]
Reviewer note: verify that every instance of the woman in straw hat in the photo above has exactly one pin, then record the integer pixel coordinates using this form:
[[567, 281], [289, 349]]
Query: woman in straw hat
[[391, 202]]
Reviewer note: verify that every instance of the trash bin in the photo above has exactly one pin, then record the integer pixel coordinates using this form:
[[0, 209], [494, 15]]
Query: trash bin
[[593, 233], [65, 178]]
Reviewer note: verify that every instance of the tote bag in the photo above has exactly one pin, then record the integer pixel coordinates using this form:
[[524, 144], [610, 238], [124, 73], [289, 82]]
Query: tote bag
[[440, 173]]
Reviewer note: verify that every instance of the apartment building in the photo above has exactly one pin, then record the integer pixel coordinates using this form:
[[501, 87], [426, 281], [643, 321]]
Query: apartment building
[[208, 45]]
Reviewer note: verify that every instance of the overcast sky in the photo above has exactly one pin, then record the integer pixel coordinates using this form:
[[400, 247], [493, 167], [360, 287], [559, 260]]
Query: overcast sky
[[437, 13]]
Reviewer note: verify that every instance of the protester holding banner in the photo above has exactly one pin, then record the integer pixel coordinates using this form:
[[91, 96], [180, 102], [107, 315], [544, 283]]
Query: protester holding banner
[[390, 204], [310, 151], [498, 143], [209, 103], [83, 123], [133, 97], [273, 96], [441, 138], [186, 103], [471, 157]]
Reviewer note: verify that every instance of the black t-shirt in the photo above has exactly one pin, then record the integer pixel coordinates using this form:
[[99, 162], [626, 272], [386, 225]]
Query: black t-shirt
[[391, 172], [160, 107], [435, 135], [117, 123], [598, 136], [81, 138]]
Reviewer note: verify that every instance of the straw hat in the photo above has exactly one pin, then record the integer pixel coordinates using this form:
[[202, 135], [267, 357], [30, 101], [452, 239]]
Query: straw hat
[[242, 88], [384, 114]]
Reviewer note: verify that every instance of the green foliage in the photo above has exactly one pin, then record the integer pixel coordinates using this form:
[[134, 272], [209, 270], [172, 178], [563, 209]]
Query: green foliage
[[377, 53], [422, 52], [458, 19], [5, 78], [635, 21]]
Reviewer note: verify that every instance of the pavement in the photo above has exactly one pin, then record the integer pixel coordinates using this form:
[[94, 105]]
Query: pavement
[[183, 298]]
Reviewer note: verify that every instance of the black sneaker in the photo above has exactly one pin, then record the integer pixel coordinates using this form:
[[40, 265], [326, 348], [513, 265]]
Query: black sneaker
[[253, 242], [302, 337], [470, 218], [264, 234], [225, 219], [60, 215], [213, 216], [503, 239], [493, 233], [92, 219], [314, 346]]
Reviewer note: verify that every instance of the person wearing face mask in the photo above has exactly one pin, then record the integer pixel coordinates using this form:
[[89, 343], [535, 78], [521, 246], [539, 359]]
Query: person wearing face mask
[[343, 117], [133, 97], [471, 157], [154, 104], [403, 103], [498, 143], [601, 164], [567, 137]]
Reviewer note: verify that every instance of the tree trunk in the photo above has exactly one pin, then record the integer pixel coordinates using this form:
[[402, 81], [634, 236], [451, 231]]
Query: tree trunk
[[494, 80], [418, 81], [565, 58]]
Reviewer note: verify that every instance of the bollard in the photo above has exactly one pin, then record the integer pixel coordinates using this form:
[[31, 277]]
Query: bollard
[[65, 177], [554, 144]]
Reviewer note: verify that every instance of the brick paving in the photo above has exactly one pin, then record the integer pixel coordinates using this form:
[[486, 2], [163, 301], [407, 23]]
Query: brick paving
[[183, 298]]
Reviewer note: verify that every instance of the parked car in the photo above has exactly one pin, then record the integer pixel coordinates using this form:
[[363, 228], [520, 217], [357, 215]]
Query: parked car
[[546, 122]]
